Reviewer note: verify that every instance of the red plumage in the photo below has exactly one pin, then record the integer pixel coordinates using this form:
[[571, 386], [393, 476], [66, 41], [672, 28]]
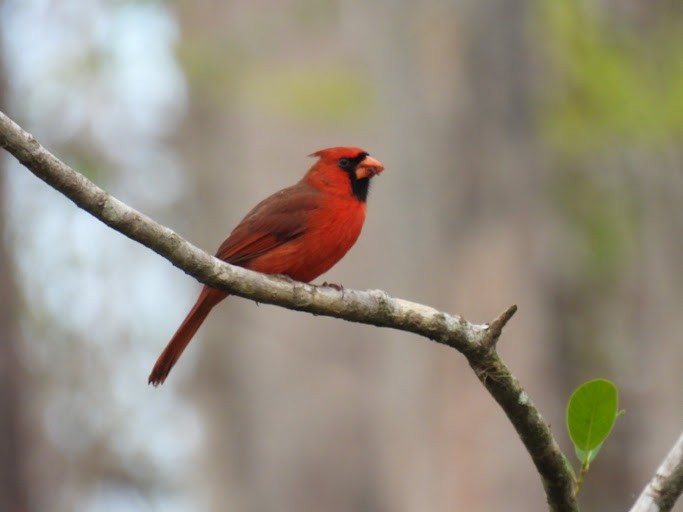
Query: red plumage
[[300, 231]]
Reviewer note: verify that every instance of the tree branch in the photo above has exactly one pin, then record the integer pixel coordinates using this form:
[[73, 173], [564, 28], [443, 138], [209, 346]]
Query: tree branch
[[374, 307], [666, 485]]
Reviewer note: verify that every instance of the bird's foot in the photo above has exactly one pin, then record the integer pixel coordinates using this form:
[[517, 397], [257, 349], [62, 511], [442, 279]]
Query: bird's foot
[[337, 287], [285, 278]]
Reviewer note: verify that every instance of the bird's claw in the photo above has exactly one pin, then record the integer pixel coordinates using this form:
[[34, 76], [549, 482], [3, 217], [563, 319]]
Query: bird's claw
[[285, 278], [334, 286]]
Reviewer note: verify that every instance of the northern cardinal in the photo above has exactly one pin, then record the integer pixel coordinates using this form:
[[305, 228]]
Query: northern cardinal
[[300, 231]]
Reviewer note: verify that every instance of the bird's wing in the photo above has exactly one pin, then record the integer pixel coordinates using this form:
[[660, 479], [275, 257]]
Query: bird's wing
[[273, 222]]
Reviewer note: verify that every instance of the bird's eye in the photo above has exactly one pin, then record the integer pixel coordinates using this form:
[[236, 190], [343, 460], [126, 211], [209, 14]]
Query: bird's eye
[[344, 163]]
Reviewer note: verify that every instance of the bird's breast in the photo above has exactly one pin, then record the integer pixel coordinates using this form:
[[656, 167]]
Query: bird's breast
[[329, 232]]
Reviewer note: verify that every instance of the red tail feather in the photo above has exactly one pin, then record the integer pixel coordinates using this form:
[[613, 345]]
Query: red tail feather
[[208, 298]]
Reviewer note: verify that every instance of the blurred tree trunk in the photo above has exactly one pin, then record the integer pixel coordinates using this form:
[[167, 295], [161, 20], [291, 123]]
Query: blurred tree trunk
[[459, 91], [211, 141], [13, 439]]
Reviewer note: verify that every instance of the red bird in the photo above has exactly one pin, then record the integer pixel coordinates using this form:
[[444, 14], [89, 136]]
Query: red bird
[[300, 231]]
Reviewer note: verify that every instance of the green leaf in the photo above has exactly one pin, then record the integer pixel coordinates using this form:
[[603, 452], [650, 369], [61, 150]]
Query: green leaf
[[588, 457], [591, 413]]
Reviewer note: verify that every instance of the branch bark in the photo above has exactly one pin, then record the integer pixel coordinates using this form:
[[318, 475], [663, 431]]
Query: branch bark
[[666, 485], [374, 307]]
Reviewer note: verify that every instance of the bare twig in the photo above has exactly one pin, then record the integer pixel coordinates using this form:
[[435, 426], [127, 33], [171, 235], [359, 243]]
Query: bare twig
[[375, 307], [496, 327], [666, 485]]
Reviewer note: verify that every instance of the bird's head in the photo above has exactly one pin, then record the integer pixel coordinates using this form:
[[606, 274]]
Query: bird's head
[[346, 166]]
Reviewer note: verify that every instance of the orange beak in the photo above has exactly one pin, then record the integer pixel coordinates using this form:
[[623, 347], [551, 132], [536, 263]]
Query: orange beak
[[368, 168]]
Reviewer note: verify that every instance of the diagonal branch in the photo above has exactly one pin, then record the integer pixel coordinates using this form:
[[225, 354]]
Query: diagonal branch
[[666, 485], [373, 307]]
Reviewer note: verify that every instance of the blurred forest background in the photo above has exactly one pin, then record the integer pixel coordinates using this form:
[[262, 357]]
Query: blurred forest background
[[534, 156]]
